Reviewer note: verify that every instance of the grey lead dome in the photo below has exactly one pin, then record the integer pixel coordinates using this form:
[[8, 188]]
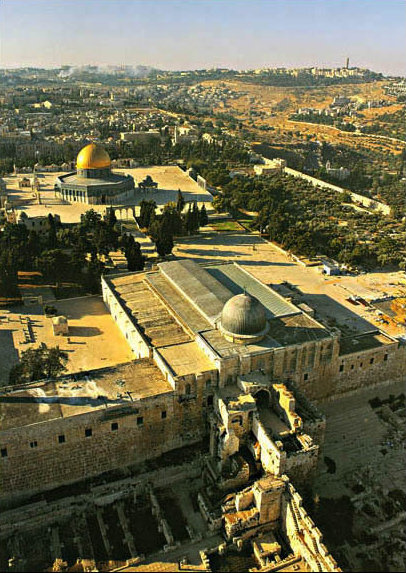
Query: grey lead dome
[[243, 315]]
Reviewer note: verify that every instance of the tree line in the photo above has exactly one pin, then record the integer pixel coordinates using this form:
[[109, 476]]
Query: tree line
[[73, 253], [301, 219], [174, 221]]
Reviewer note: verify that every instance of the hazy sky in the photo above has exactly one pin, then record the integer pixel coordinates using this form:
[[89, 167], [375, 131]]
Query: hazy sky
[[187, 34]]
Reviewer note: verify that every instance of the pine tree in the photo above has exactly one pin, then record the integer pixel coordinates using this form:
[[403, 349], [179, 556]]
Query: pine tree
[[164, 245], [134, 256], [38, 363], [203, 219], [195, 218], [52, 240], [147, 213], [111, 218], [180, 202], [189, 221]]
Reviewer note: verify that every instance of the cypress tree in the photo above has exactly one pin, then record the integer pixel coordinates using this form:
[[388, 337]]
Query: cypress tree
[[203, 218]]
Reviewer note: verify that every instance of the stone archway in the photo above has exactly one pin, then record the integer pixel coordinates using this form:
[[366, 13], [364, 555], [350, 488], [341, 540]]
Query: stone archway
[[262, 399]]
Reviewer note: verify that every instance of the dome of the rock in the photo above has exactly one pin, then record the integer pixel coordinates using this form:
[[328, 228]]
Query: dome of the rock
[[93, 156]]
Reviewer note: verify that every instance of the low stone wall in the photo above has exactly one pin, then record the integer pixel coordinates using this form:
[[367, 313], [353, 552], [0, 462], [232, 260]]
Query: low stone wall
[[356, 198]]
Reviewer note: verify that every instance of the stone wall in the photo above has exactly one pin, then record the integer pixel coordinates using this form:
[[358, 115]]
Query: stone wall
[[304, 537], [120, 436], [135, 339], [353, 371], [301, 466]]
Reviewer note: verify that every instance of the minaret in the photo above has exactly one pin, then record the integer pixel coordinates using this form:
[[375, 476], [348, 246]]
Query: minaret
[[347, 64]]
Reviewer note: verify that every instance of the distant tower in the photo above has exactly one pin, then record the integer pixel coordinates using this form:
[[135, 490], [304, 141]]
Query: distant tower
[[347, 64]]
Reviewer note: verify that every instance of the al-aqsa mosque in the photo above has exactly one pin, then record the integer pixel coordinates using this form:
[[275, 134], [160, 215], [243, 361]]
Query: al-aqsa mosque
[[93, 182]]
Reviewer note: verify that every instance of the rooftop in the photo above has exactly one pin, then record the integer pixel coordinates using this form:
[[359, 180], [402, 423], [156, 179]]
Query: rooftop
[[186, 359], [153, 318], [184, 299], [237, 280], [75, 179], [226, 348], [108, 388], [204, 292], [363, 342], [296, 329], [94, 340]]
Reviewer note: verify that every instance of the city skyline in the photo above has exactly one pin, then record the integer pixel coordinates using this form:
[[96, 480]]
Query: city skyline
[[194, 34]]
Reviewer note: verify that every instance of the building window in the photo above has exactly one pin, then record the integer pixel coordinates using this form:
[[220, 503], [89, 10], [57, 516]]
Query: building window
[[114, 426], [3, 452], [371, 361], [305, 377], [210, 400], [341, 367], [61, 439], [352, 366], [140, 421], [187, 389], [385, 357], [33, 444], [88, 432], [360, 365], [163, 414]]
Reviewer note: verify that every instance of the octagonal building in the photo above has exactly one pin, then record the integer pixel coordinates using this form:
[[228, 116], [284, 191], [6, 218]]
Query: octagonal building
[[93, 182]]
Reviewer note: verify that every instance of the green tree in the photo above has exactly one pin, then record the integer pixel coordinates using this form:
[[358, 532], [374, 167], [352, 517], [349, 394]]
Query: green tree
[[195, 217], [91, 278], [90, 219], [133, 254], [171, 220], [162, 238], [188, 218], [147, 213], [164, 245], [52, 239], [387, 252], [54, 265], [180, 204], [110, 217], [8, 273], [203, 218], [39, 363]]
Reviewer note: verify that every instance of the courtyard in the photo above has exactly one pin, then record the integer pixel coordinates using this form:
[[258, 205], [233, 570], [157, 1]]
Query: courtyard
[[169, 178], [94, 340]]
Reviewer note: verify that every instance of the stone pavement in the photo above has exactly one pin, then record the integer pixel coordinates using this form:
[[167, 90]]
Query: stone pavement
[[355, 439]]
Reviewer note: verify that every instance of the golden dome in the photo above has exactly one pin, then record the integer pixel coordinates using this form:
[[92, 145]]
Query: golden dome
[[93, 156]]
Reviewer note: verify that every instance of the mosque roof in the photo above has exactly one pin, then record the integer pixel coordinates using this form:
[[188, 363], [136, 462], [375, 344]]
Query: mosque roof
[[93, 156], [243, 315]]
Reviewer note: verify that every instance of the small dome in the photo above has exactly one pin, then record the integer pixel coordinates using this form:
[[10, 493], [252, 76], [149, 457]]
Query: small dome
[[60, 320], [243, 316], [93, 156]]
